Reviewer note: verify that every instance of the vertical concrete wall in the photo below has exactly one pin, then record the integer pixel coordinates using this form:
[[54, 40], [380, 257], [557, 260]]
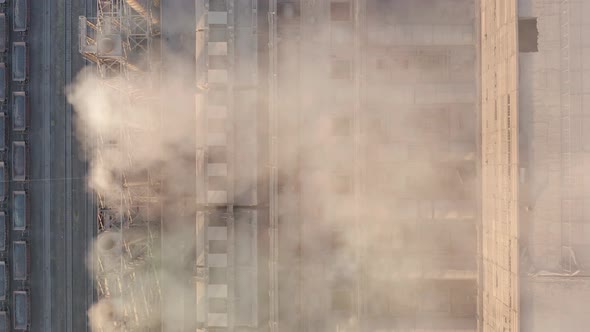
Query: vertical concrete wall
[[499, 98], [554, 89], [227, 165], [418, 130], [326, 164], [540, 132], [387, 87], [288, 118]]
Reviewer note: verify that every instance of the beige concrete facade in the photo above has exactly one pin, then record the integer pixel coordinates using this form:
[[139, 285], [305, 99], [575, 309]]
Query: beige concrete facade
[[498, 284], [535, 236], [554, 88], [376, 108]]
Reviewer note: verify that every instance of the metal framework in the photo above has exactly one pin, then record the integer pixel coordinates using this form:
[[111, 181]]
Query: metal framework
[[128, 217]]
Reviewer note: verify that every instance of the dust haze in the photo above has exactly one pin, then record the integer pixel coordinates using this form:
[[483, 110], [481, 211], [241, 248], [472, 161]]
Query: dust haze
[[148, 143], [372, 201]]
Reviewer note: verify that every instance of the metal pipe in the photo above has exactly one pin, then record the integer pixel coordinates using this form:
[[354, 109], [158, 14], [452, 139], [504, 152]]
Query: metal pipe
[[141, 10]]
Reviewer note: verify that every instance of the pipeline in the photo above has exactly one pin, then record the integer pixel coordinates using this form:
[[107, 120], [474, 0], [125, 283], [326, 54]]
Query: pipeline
[[141, 10]]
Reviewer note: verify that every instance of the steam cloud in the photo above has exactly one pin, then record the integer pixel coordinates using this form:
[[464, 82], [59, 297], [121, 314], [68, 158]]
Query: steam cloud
[[154, 138], [324, 247]]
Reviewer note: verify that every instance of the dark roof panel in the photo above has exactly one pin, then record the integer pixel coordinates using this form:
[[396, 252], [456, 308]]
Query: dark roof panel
[[2, 231], [21, 15], [3, 32], [20, 103], [19, 260], [19, 166], [19, 210], [4, 326], [21, 310], [19, 61]]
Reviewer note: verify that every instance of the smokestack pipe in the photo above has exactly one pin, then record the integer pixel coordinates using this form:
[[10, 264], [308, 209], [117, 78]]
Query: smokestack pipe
[[141, 10]]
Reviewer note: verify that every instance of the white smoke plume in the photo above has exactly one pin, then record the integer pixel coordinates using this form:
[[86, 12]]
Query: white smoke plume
[[126, 130], [403, 148]]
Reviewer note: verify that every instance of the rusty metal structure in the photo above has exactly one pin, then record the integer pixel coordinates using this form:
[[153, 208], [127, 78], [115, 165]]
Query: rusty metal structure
[[119, 40]]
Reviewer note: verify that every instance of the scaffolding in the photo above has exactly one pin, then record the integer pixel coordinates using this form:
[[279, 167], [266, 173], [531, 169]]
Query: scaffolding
[[119, 40]]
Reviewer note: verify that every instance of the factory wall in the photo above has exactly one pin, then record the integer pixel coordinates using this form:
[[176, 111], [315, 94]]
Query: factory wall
[[498, 283], [418, 134], [326, 165], [377, 165], [555, 232], [376, 113]]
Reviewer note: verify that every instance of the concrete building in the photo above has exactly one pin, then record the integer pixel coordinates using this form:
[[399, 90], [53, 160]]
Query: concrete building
[[534, 258], [377, 107], [343, 165]]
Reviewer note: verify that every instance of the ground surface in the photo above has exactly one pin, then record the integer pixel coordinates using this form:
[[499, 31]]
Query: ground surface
[[62, 220]]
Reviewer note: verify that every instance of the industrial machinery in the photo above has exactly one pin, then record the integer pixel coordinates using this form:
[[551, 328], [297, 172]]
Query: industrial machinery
[[116, 40]]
